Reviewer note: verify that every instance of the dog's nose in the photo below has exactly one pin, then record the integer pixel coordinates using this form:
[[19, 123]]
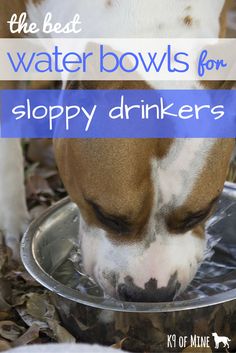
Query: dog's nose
[[129, 292]]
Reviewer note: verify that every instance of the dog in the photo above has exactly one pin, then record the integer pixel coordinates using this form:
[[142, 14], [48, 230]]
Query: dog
[[221, 339], [143, 202]]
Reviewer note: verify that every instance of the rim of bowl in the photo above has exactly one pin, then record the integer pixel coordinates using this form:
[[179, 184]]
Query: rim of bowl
[[31, 264]]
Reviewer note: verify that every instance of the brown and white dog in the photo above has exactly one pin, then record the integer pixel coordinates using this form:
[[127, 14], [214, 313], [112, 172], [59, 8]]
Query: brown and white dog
[[143, 202]]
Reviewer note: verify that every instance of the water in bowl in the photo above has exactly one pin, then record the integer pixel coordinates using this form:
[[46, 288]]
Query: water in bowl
[[216, 274]]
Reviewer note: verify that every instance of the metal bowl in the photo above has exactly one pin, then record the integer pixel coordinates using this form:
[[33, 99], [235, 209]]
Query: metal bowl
[[50, 239], [53, 238]]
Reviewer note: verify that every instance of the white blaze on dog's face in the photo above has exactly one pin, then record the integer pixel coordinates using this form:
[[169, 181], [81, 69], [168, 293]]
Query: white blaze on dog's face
[[142, 204]]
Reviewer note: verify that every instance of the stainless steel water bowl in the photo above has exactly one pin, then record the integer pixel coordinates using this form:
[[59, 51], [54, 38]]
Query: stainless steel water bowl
[[50, 240]]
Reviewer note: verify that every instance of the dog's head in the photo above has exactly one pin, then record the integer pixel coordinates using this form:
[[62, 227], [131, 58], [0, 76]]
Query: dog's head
[[143, 204]]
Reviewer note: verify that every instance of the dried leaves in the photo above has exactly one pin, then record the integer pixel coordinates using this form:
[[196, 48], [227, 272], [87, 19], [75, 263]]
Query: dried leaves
[[10, 331], [28, 336], [26, 312], [43, 184]]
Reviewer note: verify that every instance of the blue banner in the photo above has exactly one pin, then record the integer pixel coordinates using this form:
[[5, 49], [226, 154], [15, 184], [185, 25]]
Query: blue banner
[[118, 113]]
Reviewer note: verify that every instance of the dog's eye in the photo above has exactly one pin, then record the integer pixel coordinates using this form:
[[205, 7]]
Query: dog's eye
[[180, 224], [115, 223], [193, 219], [196, 218]]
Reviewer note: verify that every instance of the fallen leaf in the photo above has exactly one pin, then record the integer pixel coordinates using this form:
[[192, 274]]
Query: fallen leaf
[[10, 330], [61, 334], [20, 300], [29, 320], [119, 345], [39, 307], [29, 336]]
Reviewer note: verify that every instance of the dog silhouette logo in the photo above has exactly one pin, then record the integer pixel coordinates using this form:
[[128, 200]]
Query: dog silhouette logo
[[221, 339]]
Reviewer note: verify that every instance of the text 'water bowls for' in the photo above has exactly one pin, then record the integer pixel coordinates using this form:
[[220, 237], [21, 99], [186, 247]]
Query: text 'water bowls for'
[[51, 254]]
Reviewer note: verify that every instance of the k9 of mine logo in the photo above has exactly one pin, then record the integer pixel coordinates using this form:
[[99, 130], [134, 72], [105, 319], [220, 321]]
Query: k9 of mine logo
[[195, 341]]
